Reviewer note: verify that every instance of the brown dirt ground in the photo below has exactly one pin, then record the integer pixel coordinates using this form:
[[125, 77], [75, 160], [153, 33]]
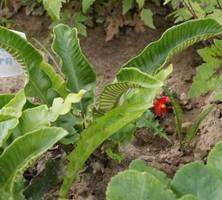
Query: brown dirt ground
[[107, 57]]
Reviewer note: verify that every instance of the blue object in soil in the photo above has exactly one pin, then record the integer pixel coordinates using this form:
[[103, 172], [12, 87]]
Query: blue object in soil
[[8, 65]]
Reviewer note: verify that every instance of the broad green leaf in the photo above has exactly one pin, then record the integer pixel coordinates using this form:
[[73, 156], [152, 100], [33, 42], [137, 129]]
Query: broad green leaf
[[5, 129], [58, 83], [140, 3], [41, 116], [10, 114], [173, 41], [196, 179], [14, 106], [33, 119], [4, 99], [127, 5], [192, 131], [62, 107], [104, 127], [38, 84], [131, 185], [111, 94], [21, 153], [141, 166], [74, 64], [135, 76], [53, 8], [128, 78], [86, 4], [147, 17], [214, 161]]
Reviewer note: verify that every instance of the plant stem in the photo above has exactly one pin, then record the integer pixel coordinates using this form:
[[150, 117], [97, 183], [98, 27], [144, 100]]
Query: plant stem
[[190, 8], [50, 55], [219, 5]]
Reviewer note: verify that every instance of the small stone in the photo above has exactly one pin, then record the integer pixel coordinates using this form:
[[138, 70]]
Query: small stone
[[188, 107], [97, 167], [183, 99], [218, 113]]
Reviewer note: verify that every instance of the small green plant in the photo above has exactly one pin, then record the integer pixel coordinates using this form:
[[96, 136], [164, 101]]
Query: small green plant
[[148, 120], [194, 181], [208, 76], [188, 9], [178, 112], [92, 11]]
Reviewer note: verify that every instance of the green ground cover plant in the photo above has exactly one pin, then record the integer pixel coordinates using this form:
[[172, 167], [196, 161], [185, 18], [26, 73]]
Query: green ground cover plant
[[193, 181]]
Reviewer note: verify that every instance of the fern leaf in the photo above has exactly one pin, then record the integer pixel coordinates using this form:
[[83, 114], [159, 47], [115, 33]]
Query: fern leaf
[[128, 78], [207, 77], [173, 41]]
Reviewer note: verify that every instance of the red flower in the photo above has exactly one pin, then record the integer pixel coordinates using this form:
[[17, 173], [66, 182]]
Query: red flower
[[161, 106]]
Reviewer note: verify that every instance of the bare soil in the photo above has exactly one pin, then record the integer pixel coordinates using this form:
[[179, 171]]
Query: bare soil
[[107, 57]]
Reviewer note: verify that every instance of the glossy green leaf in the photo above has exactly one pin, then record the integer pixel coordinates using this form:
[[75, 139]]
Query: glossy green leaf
[[214, 161], [14, 107], [4, 99], [141, 166], [196, 179], [173, 41], [128, 78], [21, 153], [75, 66], [131, 185], [6, 127], [10, 114], [111, 94], [41, 116]]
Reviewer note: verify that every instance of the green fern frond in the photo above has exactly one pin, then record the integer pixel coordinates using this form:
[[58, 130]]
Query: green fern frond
[[112, 93], [207, 77], [127, 78]]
